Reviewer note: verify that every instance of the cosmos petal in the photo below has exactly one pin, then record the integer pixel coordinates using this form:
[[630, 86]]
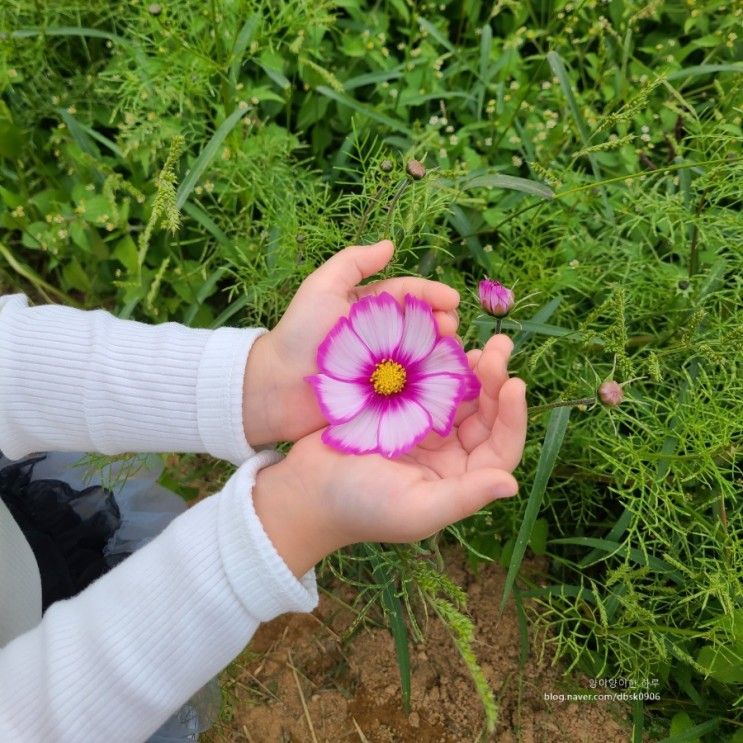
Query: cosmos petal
[[440, 395], [378, 322], [471, 386], [447, 357], [418, 332], [403, 424], [358, 435], [339, 401], [343, 354]]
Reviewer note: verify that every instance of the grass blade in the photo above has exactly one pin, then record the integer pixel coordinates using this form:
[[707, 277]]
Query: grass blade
[[704, 69], [436, 34], [233, 309], [30, 275], [81, 137], [638, 721], [540, 316], [241, 43], [558, 69], [362, 108], [464, 227], [197, 213], [511, 183], [523, 628], [556, 427], [25, 33], [486, 44], [394, 612], [617, 530], [693, 733], [619, 549], [205, 290], [371, 78], [206, 156]]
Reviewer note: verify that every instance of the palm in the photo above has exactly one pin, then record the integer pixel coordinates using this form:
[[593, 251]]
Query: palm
[[442, 479], [323, 298]]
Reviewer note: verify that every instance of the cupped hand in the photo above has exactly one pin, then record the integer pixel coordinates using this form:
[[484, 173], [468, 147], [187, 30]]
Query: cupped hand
[[278, 404], [343, 499]]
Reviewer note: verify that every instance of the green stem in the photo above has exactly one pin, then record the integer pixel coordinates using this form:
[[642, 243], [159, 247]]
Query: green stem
[[498, 323], [562, 404], [367, 212], [393, 203]]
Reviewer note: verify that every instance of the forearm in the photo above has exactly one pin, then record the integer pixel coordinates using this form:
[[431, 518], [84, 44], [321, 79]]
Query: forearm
[[116, 661], [88, 381]]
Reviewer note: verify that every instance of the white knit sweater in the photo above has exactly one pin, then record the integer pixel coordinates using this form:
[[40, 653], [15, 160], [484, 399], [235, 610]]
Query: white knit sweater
[[113, 663]]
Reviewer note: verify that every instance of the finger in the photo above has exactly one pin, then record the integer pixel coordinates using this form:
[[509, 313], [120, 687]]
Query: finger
[[438, 295], [492, 371], [505, 445], [509, 431], [432, 505], [351, 265], [446, 321]]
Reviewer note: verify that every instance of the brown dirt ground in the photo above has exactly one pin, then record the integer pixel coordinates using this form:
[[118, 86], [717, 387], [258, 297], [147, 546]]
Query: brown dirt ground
[[297, 682]]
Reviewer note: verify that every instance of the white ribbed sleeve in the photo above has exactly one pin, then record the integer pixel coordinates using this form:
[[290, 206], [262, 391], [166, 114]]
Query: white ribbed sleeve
[[113, 663], [89, 381]]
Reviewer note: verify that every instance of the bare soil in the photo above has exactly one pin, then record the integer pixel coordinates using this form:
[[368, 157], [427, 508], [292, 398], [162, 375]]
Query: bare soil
[[297, 682]]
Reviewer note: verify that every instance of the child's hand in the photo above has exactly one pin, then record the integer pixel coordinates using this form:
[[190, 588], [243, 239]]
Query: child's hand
[[317, 499], [278, 404]]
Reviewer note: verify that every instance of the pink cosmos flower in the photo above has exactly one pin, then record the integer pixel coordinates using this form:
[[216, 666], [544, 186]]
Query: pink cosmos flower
[[387, 379], [495, 298]]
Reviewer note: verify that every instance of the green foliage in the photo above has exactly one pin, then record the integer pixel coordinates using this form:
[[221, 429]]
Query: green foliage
[[196, 163]]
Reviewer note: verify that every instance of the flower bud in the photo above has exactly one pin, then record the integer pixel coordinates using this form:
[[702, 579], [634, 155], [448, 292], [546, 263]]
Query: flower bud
[[385, 166], [495, 298], [154, 9], [416, 169], [611, 393]]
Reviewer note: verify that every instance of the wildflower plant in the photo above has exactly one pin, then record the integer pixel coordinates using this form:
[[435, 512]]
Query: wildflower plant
[[196, 163]]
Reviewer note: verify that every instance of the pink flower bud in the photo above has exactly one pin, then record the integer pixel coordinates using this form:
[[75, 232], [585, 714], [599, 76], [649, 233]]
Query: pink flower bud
[[611, 393], [495, 298]]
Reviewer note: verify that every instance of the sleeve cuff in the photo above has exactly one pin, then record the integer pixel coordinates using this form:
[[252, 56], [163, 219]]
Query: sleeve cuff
[[258, 574], [219, 393]]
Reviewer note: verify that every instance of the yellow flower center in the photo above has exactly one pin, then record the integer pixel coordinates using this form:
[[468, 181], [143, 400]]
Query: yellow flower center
[[388, 378]]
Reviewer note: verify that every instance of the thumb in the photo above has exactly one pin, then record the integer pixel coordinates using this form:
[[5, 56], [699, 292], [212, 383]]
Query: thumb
[[350, 266]]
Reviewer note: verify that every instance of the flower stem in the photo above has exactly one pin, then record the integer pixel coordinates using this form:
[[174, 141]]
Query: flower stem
[[393, 202], [562, 404], [498, 323]]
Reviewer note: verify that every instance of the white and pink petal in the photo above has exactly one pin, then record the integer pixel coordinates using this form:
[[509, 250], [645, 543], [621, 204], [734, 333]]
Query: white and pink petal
[[439, 395], [402, 425], [418, 331], [344, 355], [378, 321], [358, 435], [447, 357], [339, 400], [471, 386]]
